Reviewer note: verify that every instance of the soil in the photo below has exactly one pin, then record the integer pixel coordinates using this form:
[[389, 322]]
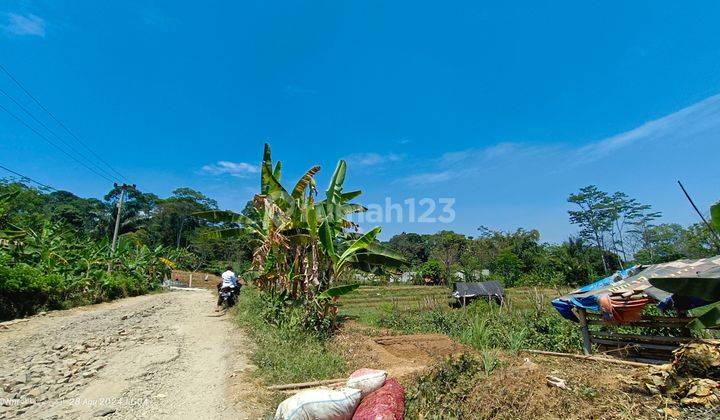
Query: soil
[[399, 355], [517, 388], [155, 356]]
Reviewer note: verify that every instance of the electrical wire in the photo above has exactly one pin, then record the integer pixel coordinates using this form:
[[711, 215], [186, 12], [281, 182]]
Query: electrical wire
[[28, 178], [60, 123], [21, 121], [31, 115]]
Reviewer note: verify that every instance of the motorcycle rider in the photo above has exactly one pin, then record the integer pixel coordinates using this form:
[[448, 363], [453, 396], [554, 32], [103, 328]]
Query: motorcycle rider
[[229, 280]]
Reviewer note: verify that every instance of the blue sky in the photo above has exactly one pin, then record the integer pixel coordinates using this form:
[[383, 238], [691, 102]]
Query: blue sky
[[507, 107]]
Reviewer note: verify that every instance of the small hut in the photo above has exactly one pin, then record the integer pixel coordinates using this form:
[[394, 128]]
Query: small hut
[[620, 301], [465, 293]]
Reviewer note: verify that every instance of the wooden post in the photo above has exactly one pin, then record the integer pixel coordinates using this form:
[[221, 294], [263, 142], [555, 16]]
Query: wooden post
[[587, 343], [684, 330], [190, 281]]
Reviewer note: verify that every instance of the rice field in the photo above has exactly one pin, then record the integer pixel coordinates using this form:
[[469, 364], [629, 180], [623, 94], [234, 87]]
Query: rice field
[[367, 301]]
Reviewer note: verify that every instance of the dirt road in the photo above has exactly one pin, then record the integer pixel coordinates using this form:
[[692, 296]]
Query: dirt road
[[159, 356]]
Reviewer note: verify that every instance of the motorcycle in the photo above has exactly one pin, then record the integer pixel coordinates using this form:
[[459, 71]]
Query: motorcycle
[[227, 297]]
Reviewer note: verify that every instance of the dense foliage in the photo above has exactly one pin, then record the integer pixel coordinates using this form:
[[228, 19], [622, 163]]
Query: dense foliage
[[514, 258], [53, 254]]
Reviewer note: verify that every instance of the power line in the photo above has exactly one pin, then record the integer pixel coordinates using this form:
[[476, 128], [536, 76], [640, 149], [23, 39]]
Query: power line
[[30, 114], [20, 85], [28, 178], [20, 120]]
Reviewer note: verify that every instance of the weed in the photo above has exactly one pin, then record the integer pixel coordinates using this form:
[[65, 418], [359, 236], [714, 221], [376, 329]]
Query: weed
[[490, 361], [286, 352], [441, 392], [587, 391]]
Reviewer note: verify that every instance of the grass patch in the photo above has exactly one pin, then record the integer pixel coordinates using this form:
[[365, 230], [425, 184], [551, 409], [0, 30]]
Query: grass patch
[[527, 320], [285, 354]]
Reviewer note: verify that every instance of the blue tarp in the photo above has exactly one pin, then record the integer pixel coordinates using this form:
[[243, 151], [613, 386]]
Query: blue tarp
[[587, 300], [635, 280]]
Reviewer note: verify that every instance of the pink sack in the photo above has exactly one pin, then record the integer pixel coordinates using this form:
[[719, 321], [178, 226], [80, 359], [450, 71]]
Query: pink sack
[[387, 403]]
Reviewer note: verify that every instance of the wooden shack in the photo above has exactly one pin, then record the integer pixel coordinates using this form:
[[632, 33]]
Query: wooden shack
[[627, 316]]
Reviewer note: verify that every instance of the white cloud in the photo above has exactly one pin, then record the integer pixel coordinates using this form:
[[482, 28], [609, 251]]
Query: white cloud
[[25, 25], [678, 126], [372, 159], [236, 169], [696, 121]]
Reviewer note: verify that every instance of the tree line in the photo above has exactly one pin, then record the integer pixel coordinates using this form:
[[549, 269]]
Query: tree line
[[146, 219], [615, 232]]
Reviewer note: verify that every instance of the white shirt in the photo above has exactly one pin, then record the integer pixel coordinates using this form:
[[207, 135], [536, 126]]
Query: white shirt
[[229, 279]]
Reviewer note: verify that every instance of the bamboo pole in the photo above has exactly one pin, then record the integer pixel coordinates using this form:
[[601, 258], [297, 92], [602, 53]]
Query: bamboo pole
[[592, 358]]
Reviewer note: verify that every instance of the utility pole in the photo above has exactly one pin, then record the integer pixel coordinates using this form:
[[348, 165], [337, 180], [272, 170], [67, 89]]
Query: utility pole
[[123, 188]]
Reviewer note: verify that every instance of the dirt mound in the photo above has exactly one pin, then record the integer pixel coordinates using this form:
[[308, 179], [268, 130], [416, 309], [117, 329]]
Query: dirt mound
[[422, 349], [518, 387], [400, 355]]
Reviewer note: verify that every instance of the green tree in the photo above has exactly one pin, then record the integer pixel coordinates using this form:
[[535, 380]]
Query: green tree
[[509, 266], [433, 270], [447, 246], [595, 217], [302, 244], [411, 245], [173, 222], [663, 243], [138, 209]]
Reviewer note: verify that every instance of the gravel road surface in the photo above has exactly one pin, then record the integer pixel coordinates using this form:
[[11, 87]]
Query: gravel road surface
[[165, 355]]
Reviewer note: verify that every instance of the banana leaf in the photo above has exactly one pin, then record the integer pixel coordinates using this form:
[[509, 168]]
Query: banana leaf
[[338, 291], [384, 255], [304, 181], [275, 190], [220, 216], [326, 240], [350, 195], [267, 160], [715, 216], [361, 243], [226, 233], [706, 288], [338, 178], [707, 317], [277, 172]]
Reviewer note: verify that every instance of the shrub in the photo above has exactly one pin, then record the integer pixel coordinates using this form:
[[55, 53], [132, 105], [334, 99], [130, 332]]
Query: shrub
[[442, 392], [25, 290], [432, 269], [285, 352]]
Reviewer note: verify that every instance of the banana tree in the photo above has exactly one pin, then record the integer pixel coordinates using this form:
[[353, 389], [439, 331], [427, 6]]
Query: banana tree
[[304, 244]]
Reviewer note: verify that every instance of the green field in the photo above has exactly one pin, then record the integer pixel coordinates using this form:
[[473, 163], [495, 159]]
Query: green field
[[368, 302]]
